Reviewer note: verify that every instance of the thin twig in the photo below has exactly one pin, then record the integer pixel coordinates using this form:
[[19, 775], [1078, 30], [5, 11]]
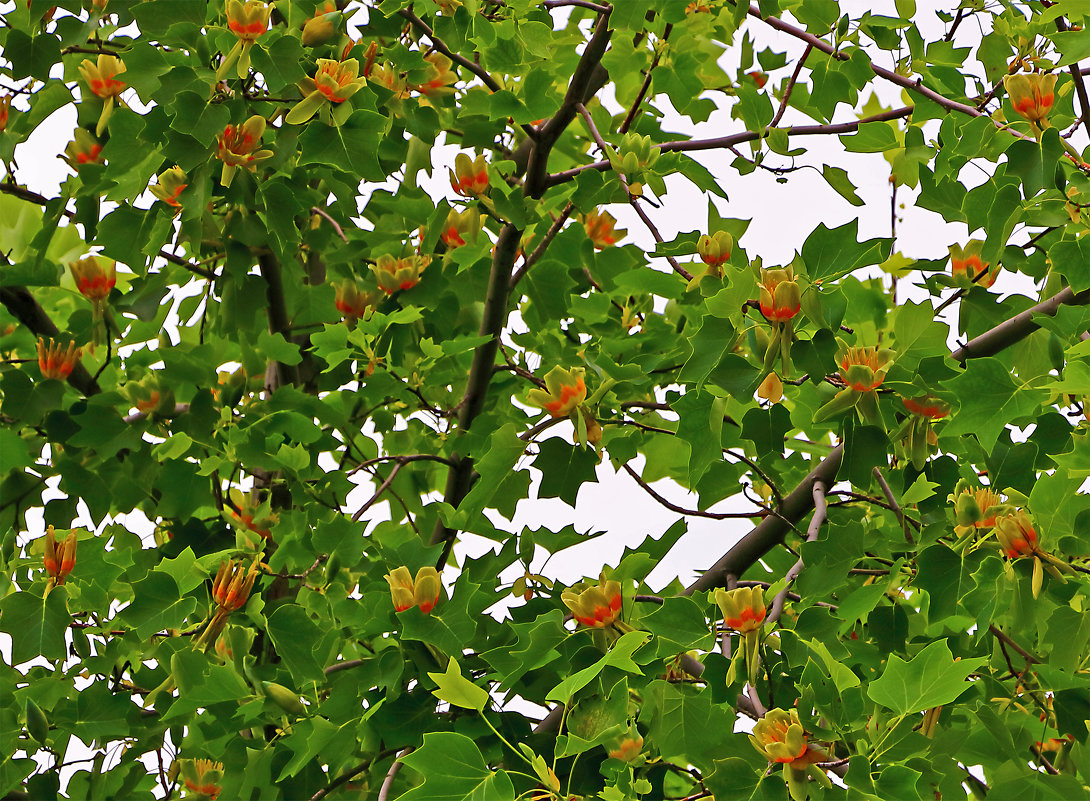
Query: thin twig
[[1030, 658], [391, 774], [690, 512], [892, 502], [381, 489], [642, 93], [790, 87], [336, 226], [539, 251]]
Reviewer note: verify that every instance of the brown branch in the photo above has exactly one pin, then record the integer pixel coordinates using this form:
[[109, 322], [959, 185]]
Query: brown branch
[[892, 502], [385, 485], [821, 513], [336, 226], [277, 312], [539, 251], [771, 531], [642, 93], [689, 512], [550, 131], [24, 308], [790, 87], [1030, 658]]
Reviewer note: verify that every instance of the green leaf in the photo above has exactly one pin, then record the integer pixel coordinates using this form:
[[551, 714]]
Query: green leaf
[[990, 399], [455, 689], [38, 623], [931, 678], [830, 253], [454, 770], [296, 637], [157, 604], [921, 490], [619, 656], [565, 469]]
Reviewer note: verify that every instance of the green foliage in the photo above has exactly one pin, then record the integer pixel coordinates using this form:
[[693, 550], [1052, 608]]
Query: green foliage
[[324, 428]]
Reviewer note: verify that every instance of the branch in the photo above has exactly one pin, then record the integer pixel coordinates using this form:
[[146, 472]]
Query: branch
[[718, 142], [549, 133], [892, 500], [821, 513], [771, 531], [690, 512], [25, 309], [391, 774], [539, 251], [790, 86], [1080, 87], [459, 479], [640, 95], [277, 310], [385, 485]]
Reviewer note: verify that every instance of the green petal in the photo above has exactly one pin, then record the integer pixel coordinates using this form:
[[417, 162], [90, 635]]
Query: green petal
[[305, 108]]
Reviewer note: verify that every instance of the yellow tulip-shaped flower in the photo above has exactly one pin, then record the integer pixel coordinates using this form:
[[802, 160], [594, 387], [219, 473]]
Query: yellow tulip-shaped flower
[[237, 147], [1032, 94], [407, 592], [469, 177], [333, 83], [101, 80], [393, 273], [966, 265], [56, 360], [248, 21], [597, 605], [169, 185], [601, 230], [564, 391]]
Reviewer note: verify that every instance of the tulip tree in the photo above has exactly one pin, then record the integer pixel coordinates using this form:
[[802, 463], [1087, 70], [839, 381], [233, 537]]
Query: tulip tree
[[254, 314]]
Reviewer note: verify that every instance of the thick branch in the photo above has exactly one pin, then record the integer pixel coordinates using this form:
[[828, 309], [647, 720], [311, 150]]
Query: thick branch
[[480, 372], [24, 308], [277, 309], [821, 511], [798, 503], [549, 133]]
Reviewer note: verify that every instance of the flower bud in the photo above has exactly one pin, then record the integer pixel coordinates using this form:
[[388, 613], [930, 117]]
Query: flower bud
[[169, 185], [564, 391], [284, 698], [461, 227], [966, 267], [715, 250], [5, 110], [59, 560], [320, 28], [354, 303], [149, 395], [95, 276], [600, 229], [469, 177], [780, 297], [927, 406], [407, 593], [1016, 535], [37, 725], [83, 149]]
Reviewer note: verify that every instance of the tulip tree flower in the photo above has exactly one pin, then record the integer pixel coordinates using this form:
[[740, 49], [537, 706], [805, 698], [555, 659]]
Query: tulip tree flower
[[715, 251], [600, 229], [150, 395], [95, 276], [862, 369], [333, 83], [59, 560], [201, 777], [469, 177], [352, 302], [407, 592], [744, 611], [237, 147], [1017, 538], [55, 360], [440, 77], [248, 21], [779, 302], [594, 605], [169, 185], [5, 110], [320, 28], [461, 227], [780, 738], [564, 391], [1032, 95], [101, 79], [250, 514], [83, 149], [966, 266], [395, 273], [916, 435]]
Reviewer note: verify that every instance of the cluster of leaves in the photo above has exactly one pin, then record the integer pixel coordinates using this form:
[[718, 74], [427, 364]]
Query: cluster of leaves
[[292, 316]]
